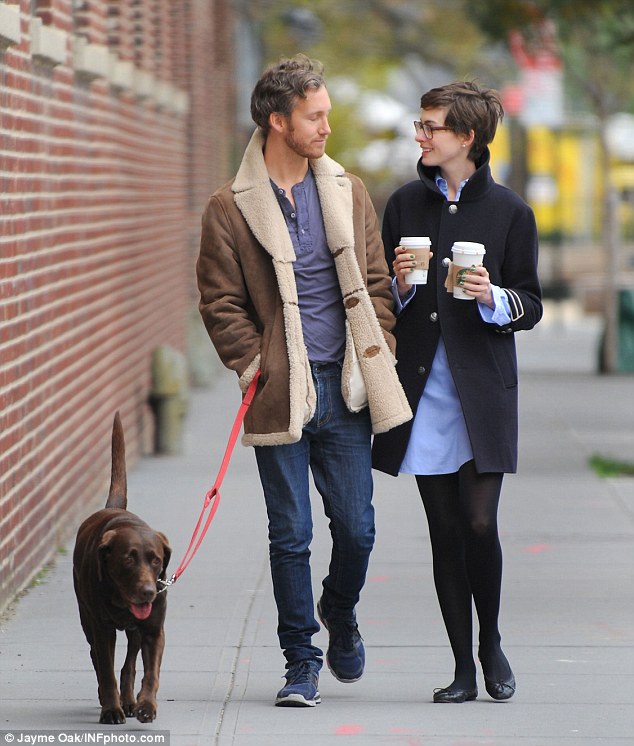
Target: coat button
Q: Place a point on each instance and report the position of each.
(421, 371)
(446, 261)
(433, 316)
(453, 209)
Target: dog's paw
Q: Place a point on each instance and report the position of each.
(129, 708)
(112, 716)
(145, 711)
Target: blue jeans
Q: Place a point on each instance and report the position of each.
(336, 446)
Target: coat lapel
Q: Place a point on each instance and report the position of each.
(255, 199)
(258, 204)
(335, 197)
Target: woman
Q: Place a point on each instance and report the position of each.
(458, 365)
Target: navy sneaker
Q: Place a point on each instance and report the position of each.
(346, 654)
(302, 679)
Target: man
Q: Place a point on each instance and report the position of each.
(293, 282)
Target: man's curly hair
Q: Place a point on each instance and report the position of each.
(281, 85)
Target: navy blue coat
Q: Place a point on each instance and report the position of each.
(482, 356)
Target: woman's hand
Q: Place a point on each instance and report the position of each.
(402, 265)
(475, 282)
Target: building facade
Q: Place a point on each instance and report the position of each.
(115, 124)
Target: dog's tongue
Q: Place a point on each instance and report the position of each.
(141, 611)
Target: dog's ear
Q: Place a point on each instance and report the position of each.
(167, 552)
(103, 550)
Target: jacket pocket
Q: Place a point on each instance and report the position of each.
(503, 351)
(353, 387)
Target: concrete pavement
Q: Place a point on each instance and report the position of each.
(567, 615)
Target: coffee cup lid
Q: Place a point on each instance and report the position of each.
(468, 247)
(415, 241)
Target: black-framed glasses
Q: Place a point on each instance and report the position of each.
(428, 129)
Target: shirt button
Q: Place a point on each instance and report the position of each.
(433, 316)
(421, 371)
(453, 209)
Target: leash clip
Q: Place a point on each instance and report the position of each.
(166, 583)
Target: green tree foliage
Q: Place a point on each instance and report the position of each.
(379, 34)
(367, 38)
(596, 43)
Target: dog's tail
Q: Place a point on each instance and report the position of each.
(118, 495)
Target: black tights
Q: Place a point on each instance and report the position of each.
(467, 558)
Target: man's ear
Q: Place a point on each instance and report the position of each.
(277, 121)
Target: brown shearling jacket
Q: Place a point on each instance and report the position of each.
(249, 304)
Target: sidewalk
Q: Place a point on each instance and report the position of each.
(567, 614)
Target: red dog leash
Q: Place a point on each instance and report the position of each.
(213, 496)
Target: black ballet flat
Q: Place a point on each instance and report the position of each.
(500, 690)
(455, 695)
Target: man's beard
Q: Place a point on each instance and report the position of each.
(302, 149)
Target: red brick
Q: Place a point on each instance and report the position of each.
(99, 215)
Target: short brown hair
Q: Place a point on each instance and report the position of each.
(281, 85)
(469, 107)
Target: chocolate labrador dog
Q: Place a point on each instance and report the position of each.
(117, 562)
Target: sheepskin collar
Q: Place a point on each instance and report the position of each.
(258, 204)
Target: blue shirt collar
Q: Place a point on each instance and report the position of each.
(442, 185)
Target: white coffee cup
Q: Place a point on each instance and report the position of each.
(418, 247)
(465, 254)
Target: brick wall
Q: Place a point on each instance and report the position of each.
(104, 171)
